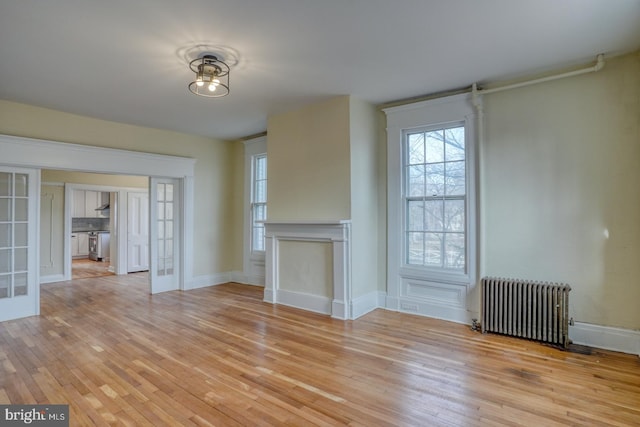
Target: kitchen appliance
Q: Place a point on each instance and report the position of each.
(99, 245)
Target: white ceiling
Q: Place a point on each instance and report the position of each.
(126, 61)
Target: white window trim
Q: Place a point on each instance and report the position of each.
(253, 261)
(432, 292)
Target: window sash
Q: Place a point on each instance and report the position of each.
(435, 198)
(258, 203)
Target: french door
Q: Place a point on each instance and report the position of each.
(19, 264)
(165, 221)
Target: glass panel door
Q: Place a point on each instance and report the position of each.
(165, 220)
(19, 192)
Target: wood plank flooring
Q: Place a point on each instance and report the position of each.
(220, 356)
(84, 268)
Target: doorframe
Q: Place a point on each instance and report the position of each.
(119, 262)
(45, 154)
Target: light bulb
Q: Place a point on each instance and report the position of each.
(216, 82)
(212, 87)
(199, 83)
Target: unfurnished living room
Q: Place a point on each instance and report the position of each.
(320, 213)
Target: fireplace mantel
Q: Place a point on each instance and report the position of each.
(335, 232)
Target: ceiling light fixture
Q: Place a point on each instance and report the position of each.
(212, 77)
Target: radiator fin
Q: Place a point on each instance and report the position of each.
(527, 309)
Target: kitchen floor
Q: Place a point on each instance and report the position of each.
(86, 268)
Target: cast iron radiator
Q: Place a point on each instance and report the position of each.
(527, 309)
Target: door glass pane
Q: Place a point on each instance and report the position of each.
(20, 259)
(168, 229)
(161, 192)
(169, 192)
(21, 209)
(5, 261)
(160, 230)
(161, 271)
(5, 235)
(21, 234)
(20, 285)
(21, 185)
(5, 282)
(5, 184)
(5, 209)
(169, 249)
(168, 210)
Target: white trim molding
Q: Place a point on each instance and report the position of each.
(605, 337)
(338, 233)
(448, 295)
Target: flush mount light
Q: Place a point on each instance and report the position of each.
(212, 77)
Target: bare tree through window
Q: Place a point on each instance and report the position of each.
(435, 197)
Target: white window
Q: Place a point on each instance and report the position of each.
(434, 193)
(255, 203)
(431, 257)
(258, 202)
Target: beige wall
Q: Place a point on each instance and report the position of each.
(364, 198)
(560, 198)
(308, 164)
(214, 214)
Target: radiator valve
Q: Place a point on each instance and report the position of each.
(475, 325)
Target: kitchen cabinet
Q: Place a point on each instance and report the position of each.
(80, 245)
(85, 203)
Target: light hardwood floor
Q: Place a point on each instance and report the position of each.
(220, 356)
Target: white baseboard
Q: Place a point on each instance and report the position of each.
(52, 278)
(315, 303)
(367, 303)
(606, 337)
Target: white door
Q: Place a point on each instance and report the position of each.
(137, 232)
(19, 264)
(164, 232)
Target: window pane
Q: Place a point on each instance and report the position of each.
(161, 210)
(259, 212)
(435, 147)
(20, 255)
(415, 184)
(415, 217)
(5, 235)
(21, 234)
(454, 214)
(433, 249)
(433, 215)
(21, 185)
(5, 209)
(415, 248)
(5, 261)
(435, 180)
(168, 209)
(20, 284)
(6, 184)
(261, 192)
(416, 148)
(168, 230)
(454, 147)
(456, 184)
(258, 238)
(261, 168)
(5, 283)
(455, 251)
(161, 191)
(22, 211)
(169, 249)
